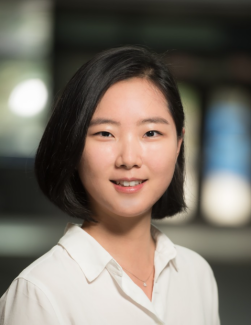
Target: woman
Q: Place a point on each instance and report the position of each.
(113, 155)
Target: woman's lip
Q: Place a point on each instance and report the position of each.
(128, 179)
(128, 189)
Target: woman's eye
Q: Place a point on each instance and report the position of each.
(105, 134)
(151, 134)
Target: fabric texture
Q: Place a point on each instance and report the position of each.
(79, 283)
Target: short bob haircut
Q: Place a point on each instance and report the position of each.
(63, 141)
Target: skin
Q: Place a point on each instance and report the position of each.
(127, 149)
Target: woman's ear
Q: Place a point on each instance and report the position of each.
(180, 140)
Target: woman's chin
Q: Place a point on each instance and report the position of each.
(132, 213)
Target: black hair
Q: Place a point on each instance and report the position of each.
(63, 141)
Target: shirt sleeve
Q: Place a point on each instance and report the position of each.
(25, 303)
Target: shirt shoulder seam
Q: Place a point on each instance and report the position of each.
(40, 289)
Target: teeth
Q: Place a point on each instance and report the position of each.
(125, 183)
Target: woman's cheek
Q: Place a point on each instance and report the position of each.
(97, 154)
(162, 160)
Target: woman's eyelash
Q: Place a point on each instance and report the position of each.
(107, 134)
(104, 134)
(151, 133)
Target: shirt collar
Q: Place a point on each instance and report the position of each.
(93, 258)
(85, 250)
(165, 250)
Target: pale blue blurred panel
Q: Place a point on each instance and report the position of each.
(226, 196)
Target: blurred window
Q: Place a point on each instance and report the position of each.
(226, 187)
(25, 76)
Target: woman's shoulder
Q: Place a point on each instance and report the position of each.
(186, 254)
(190, 261)
(30, 292)
(48, 269)
(44, 264)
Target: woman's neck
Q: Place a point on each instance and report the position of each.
(129, 242)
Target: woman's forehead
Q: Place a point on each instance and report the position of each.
(133, 97)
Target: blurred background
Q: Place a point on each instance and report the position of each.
(208, 48)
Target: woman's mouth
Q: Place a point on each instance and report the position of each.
(129, 187)
(127, 183)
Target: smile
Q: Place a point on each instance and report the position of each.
(129, 187)
(126, 183)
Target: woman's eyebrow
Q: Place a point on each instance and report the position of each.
(156, 119)
(99, 121)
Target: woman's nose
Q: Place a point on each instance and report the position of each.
(129, 154)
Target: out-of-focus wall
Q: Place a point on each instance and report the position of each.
(208, 48)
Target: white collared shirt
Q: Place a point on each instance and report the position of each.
(79, 283)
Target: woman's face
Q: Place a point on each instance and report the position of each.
(131, 141)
